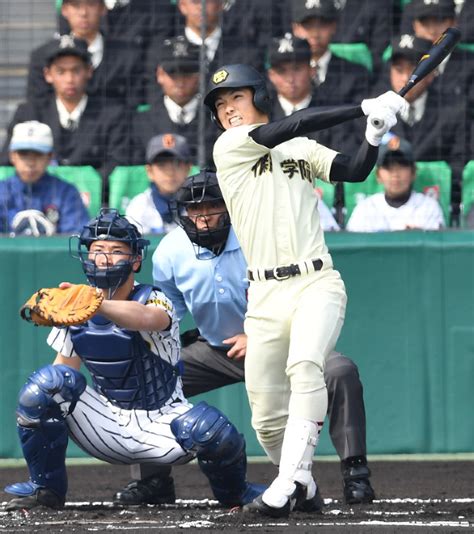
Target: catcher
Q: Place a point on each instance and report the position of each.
(135, 411)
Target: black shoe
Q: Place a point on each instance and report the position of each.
(42, 497)
(357, 488)
(257, 506)
(314, 505)
(150, 490)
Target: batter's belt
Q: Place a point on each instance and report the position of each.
(285, 272)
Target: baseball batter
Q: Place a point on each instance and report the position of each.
(296, 300)
(135, 410)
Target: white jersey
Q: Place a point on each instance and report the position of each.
(270, 198)
(117, 435)
(142, 211)
(374, 214)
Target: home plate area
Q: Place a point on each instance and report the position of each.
(421, 496)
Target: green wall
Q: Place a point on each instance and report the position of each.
(409, 327)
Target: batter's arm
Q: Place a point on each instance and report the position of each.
(345, 168)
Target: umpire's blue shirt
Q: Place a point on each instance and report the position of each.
(56, 198)
(213, 290)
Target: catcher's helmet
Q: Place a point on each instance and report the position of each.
(197, 189)
(238, 75)
(109, 225)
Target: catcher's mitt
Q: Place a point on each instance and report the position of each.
(62, 307)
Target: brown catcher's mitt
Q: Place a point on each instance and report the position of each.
(62, 307)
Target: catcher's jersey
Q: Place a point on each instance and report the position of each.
(373, 214)
(270, 197)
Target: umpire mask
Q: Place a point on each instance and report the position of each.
(203, 214)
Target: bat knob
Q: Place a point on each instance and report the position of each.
(377, 123)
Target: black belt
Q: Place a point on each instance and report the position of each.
(282, 273)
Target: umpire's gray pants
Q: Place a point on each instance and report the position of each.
(207, 368)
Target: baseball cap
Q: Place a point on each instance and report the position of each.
(32, 135)
(179, 55)
(66, 45)
(324, 9)
(168, 144)
(288, 48)
(410, 47)
(395, 149)
(433, 8)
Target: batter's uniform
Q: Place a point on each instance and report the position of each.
(292, 322)
(374, 214)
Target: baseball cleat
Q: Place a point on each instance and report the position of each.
(357, 487)
(314, 505)
(41, 497)
(258, 506)
(150, 490)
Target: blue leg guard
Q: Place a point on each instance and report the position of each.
(220, 450)
(44, 401)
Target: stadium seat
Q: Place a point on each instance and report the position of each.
(433, 179)
(467, 188)
(355, 52)
(325, 191)
(87, 180)
(125, 182)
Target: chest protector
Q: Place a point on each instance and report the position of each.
(122, 366)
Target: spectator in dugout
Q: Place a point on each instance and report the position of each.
(337, 80)
(175, 109)
(168, 164)
(117, 65)
(398, 207)
(86, 129)
(32, 201)
(436, 125)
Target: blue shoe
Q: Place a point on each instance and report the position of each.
(252, 491)
(30, 495)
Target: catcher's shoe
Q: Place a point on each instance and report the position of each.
(41, 497)
(150, 490)
(357, 487)
(258, 506)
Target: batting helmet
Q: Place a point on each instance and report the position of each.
(238, 75)
(196, 190)
(109, 225)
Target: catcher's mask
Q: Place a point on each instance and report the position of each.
(201, 190)
(109, 225)
(233, 77)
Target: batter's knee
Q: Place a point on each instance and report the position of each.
(305, 376)
(39, 398)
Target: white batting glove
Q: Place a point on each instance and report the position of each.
(390, 99)
(378, 124)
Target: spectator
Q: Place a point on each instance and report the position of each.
(86, 130)
(168, 159)
(32, 201)
(118, 67)
(398, 207)
(338, 81)
(436, 126)
(176, 108)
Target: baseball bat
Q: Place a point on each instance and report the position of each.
(441, 48)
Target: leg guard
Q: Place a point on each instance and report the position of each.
(44, 401)
(220, 450)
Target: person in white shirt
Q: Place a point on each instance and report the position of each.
(398, 207)
(168, 159)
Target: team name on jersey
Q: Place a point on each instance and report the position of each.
(290, 167)
(158, 302)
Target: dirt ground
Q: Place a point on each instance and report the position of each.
(411, 497)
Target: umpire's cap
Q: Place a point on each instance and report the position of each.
(234, 76)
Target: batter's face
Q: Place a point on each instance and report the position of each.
(318, 32)
(106, 253)
(29, 165)
(84, 17)
(180, 87)
(400, 72)
(292, 80)
(235, 107)
(396, 179)
(431, 27)
(69, 76)
(168, 174)
(206, 215)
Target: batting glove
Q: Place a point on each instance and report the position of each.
(390, 99)
(378, 124)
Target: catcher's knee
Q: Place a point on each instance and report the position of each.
(40, 398)
(207, 432)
